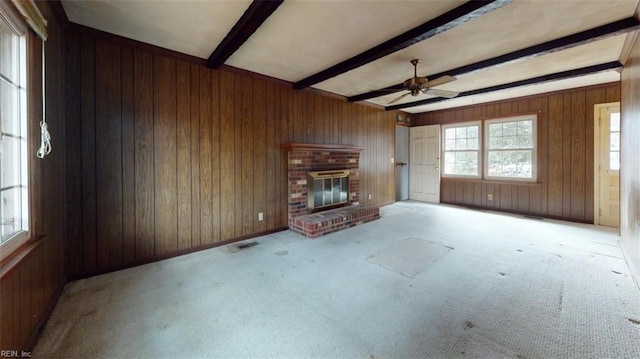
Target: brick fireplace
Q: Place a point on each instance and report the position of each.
(304, 159)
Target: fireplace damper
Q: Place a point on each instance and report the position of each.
(327, 189)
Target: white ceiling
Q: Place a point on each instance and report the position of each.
(303, 37)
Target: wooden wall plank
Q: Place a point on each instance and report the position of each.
(108, 127)
(477, 194)
(196, 206)
(128, 158)
(467, 193)
(215, 156)
(87, 91)
(555, 156)
(259, 154)
(144, 154)
(227, 152)
(578, 153)
(247, 155)
(271, 147)
(286, 99)
(7, 310)
(505, 197)
(613, 94)
(567, 166)
(73, 151)
(165, 155)
(183, 119)
(239, 110)
(206, 191)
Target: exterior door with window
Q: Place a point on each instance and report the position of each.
(424, 163)
(608, 166)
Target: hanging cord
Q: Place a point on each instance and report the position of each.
(45, 137)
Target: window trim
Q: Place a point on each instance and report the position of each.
(534, 151)
(20, 241)
(479, 150)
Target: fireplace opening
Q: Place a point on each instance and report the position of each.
(327, 189)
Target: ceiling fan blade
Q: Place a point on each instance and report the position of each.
(399, 98)
(439, 81)
(441, 93)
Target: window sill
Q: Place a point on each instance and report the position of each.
(18, 255)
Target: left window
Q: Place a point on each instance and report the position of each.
(14, 194)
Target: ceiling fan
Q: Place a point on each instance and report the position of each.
(417, 85)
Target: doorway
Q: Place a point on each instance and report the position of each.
(424, 163)
(402, 163)
(607, 164)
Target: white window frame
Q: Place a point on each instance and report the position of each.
(479, 150)
(10, 17)
(534, 149)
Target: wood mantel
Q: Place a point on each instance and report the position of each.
(320, 147)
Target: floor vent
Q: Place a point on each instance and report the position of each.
(233, 248)
(534, 217)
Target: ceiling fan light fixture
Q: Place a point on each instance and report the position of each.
(420, 84)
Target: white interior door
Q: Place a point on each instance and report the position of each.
(607, 169)
(424, 163)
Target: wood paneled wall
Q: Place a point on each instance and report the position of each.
(630, 161)
(564, 188)
(167, 156)
(31, 281)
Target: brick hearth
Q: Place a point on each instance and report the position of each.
(303, 158)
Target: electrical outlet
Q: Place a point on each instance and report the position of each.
(490, 197)
(260, 216)
(370, 196)
(392, 160)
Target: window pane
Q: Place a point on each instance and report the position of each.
(11, 212)
(614, 141)
(511, 135)
(10, 109)
(472, 131)
(614, 160)
(463, 163)
(10, 162)
(450, 133)
(495, 129)
(614, 124)
(510, 164)
(8, 58)
(450, 144)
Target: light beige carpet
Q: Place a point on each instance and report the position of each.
(410, 256)
(511, 288)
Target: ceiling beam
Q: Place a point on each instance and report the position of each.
(598, 33)
(589, 70)
(458, 16)
(249, 22)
